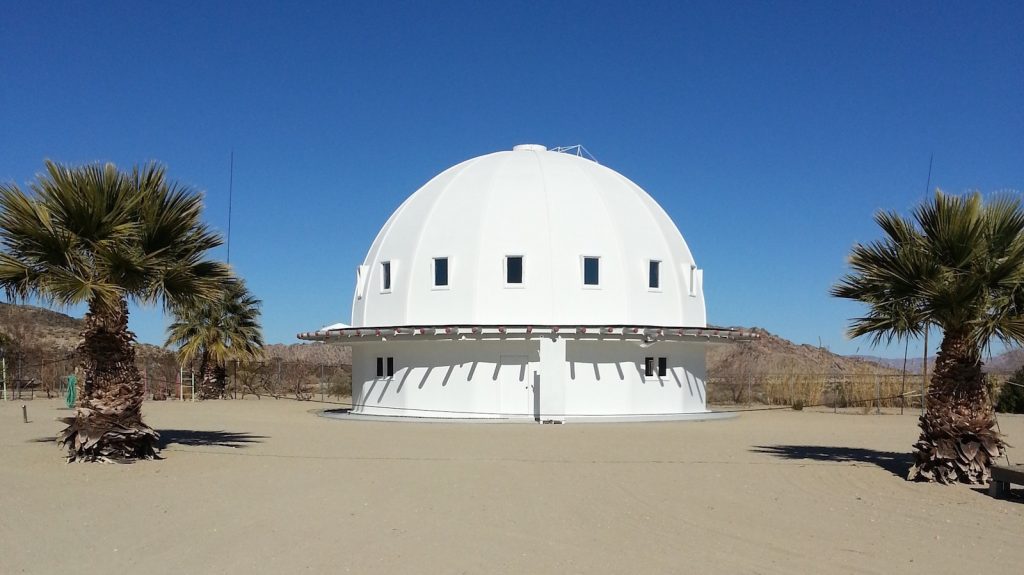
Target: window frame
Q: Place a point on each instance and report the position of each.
(447, 273)
(583, 272)
(649, 367)
(522, 271)
(385, 367)
(387, 276)
(663, 366)
(654, 266)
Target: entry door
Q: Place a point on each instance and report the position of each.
(516, 385)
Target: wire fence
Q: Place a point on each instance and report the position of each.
(26, 376)
(30, 375)
(794, 388)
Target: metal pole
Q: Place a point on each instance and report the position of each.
(321, 383)
(878, 395)
(181, 383)
(193, 376)
(3, 361)
(924, 377)
(903, 384)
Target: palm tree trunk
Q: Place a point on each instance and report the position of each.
(107, 425)
(221, 375)
(208, 388)
(958, 442)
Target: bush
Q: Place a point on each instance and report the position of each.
(1011, 397)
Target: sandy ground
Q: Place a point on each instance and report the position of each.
(269, 487)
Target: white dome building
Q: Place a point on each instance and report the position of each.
(528, 284)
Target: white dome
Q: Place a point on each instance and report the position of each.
(551, 209)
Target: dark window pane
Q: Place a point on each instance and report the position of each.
(385, 275)
(380, 367)
(662, 366)
(514, 269)
(654, 278)
(648, 366)
(391, 366)
(440, 271)
(591, 275)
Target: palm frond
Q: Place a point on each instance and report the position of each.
(958, 264)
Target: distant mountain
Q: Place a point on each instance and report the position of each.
(48, 328)
(1006, 362)
(771, 354)
(36, 330)
(913, 363)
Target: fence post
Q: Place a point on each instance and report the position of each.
(878, 395)
(321, 383)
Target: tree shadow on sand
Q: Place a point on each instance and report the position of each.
(896, 463)
(198, 438)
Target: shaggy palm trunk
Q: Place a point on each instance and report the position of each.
(211, 386)
(221, 373)
(958, 442)
(107, 425)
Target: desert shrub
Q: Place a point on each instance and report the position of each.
(340, 384)
(1011, 397)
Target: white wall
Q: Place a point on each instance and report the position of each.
(462, 379)
(467, 379)
(606, 382)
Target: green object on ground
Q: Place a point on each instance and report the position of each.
(72, 391)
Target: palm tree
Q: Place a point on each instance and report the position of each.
(103, 237)
(958, 265)
(216, 331)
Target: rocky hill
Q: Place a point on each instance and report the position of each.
(771, 354)
(37, 330)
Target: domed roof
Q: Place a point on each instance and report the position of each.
(513, 235)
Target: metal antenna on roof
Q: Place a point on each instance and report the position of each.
(576, 150)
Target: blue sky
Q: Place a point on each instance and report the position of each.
(770, 132)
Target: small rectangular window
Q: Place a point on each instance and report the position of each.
(385, 276)
(693, 280)
(591, 271)
(654, 275)
(662, 366)
(391, 366)
(380, 367)
(441, 272)
(514, 269)
(648, 366)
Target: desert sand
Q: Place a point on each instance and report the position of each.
(269, 487)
